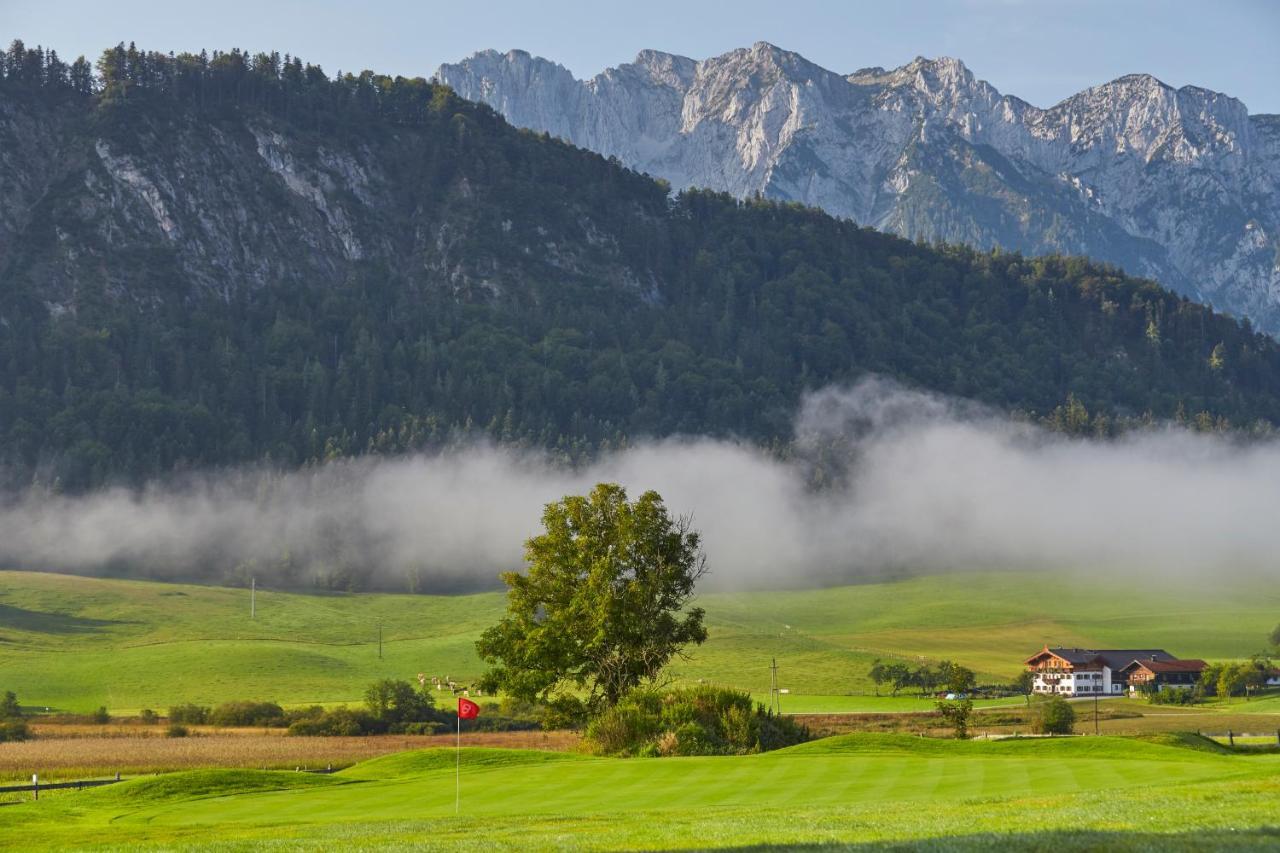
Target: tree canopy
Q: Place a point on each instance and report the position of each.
(604, 605)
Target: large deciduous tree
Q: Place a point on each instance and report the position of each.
(604, 605)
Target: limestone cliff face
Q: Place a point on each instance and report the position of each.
(1181, 185)
(153, 208)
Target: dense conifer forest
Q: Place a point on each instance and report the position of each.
(501, 284)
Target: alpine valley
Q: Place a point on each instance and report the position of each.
(1179, 185)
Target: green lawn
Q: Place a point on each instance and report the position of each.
(862, 704)
(77, 643)
(1266, 704)
(861, 788)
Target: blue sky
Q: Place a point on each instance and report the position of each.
(1040, 50)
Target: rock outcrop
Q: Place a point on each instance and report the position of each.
(1181, 185)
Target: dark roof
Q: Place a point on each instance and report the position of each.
(1120, 658)
(1159, 666)
(1113, 658)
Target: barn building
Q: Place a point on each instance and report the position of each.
(1162, 673)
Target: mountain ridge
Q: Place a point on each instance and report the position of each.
(234, 259)
(1178, 184)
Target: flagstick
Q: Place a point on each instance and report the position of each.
(457, 788)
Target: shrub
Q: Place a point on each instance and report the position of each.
(14, 730)
(194, 715)
(177, 730)
(9, 706)
(149, 717)
(1055, 717)
(514, 708)
(310, 712)
(242, 713)
(339, 722)
(1174, 696)
(692, 739)
(623, 729)
(422, 728)
(957, 714)
(497, 723)
(690, 721)
(101, 716)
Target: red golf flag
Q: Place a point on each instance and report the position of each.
(467, 710)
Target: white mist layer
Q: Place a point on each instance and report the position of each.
(913, 482)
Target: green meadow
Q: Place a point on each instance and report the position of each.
(76, 643)
(867, 791)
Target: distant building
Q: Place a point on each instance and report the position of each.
(1159, 674)
(1108, 672)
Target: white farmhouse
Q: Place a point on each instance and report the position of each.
(1106, 672)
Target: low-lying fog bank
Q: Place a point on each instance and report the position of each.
(909, 481)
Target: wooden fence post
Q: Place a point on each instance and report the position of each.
(35, 784)
(1231, 738)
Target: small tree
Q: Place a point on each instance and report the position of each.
(926, 679)
(1208, 682)
(1055, 717)
(603, 607)
(395, 701)
(1232, 679)
(957, 715)
(1255, 673)
(960, 680)
(1275, 637)
(878, 674)
(9, 708)
(101, 716)
(1024, 684)
(898, 676)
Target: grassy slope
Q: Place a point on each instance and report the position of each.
(77, 643)
(863, 787)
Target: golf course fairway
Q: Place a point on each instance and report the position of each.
(857, 789)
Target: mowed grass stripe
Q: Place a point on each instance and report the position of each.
(607, 786)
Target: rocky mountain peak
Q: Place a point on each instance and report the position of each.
(1181, 185)
(931, 74)
(1141, 116)
(763, 63)
(665, 69)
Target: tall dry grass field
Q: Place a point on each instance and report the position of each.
(84, 755)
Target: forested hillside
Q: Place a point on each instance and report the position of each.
(211, 260)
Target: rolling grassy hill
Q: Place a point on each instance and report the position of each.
(1098, 793)
(76, 643)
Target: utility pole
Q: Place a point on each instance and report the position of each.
(253, 598)
(1095, 713)
(775, 700)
